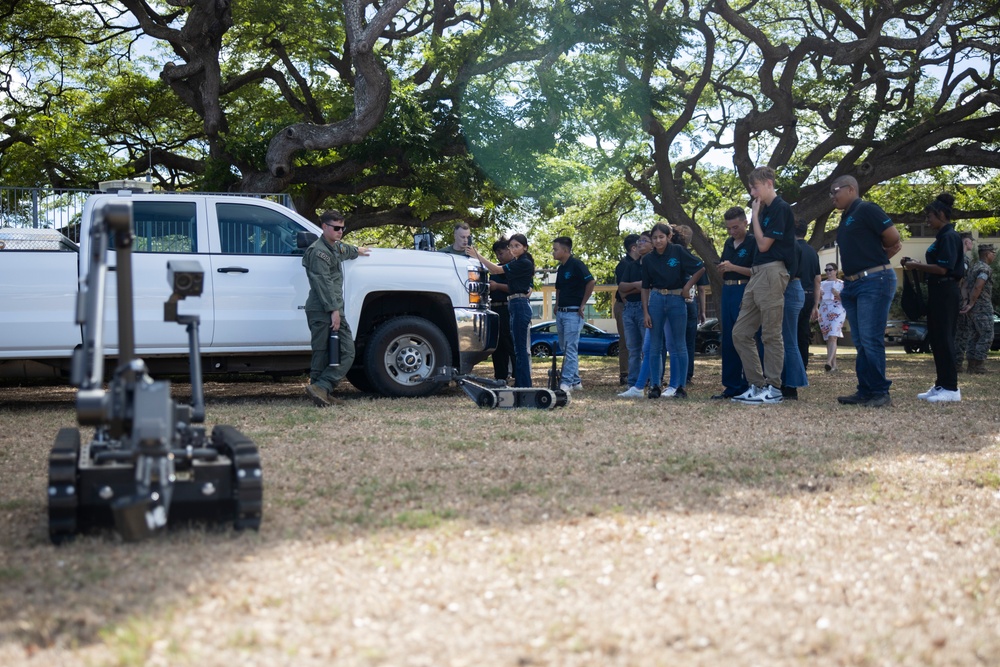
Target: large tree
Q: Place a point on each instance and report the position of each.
(821, 88)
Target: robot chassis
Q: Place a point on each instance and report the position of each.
(488, 393)
(148, 463)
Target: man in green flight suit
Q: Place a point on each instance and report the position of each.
(325, 306)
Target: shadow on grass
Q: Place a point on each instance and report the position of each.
(378, 465)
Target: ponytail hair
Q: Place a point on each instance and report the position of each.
(942, 205)
(523, 240)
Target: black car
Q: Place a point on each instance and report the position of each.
(915, 336)
(708, 340)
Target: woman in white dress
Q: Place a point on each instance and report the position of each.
(831, 314)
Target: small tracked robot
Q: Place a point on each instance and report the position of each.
(149, 463)
(496, 394)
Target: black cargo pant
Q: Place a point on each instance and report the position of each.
(942, 318)
(503, 356)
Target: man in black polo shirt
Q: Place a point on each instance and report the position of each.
(574, 285)
(867, 239)
(737, 257)
(763, 305)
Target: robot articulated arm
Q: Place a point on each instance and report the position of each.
(146, 446)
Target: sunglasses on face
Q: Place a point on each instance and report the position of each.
(336, 228)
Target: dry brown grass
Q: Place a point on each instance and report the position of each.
(429, 532)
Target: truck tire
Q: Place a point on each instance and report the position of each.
(402, 353)
(358, 377)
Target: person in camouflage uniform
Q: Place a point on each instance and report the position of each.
(979, 309)
(325, 306)
(963, 327)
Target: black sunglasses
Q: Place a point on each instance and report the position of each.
(338, 228)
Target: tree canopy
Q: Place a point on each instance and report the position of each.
(423, 112)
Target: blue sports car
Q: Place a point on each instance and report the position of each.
(593, 341)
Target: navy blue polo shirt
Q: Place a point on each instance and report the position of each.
(946, 252)
(669, 270)
(631, 272)
(571, 283)
(498, 297)
(742, 256)
(808, 265)
(860, 236)
(520, 275)
(778, 223)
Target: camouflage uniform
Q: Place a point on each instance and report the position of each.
(981, 315)
(322, 261)
(963, 325)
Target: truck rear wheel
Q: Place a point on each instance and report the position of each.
(402, 353)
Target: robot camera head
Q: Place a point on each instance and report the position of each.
(185, 277)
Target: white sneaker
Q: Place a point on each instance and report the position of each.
(565, 387)
(668, 392)
(631, 392)
(577, 387)
(765, 395)
(748, 394)
(930, 392)
(945, 396)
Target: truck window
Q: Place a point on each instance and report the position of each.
(165, 226)
(245, 229)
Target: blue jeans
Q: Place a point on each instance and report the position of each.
(569, 325)
(793, 372)
(732, 367)
(691, 332)
(867, 301)
(634, 333)
(668, 313)
(520, 322)
(643, 378)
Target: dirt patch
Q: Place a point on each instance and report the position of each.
(611, 532)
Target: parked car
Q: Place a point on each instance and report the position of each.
(593, 341)
(915, 336)
(894, 332)
(708, 340)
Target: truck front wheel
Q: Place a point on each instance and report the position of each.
(402, 353)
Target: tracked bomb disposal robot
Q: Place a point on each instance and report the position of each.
(150, 461)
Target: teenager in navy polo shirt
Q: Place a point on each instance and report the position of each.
(668, 274)
(944, 267)
(574, 285)
(763, 306)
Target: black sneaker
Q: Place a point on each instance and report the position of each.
(857, 398)
(879, 401)
(790, 393)
(721, 397)
(680, 393)
(654, 392)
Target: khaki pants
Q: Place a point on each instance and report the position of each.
(763, 307)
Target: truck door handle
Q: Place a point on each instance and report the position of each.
(233, 269)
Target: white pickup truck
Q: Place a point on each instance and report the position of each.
(412, 311)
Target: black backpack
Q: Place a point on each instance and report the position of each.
(912, 301)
